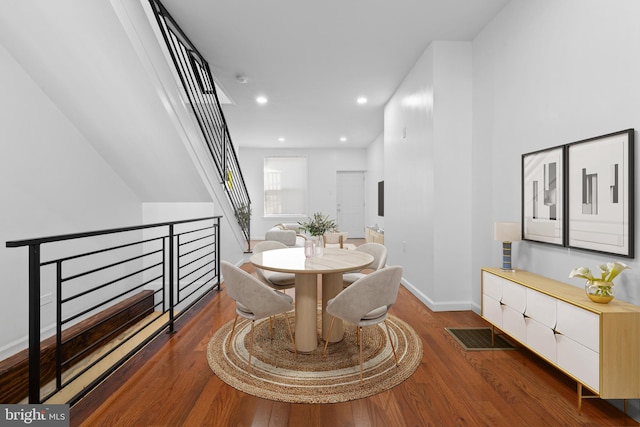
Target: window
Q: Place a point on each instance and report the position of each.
(285, 186)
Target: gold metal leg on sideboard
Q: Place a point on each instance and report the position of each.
(579, 398)
(582, 396)
(493, 335)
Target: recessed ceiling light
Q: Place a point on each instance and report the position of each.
(261, 100)
(362, 100)
(281, 139)
(343, 139)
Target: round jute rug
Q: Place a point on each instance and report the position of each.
(279, 374)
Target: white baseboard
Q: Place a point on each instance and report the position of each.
(440, 305)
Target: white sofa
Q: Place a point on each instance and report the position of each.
(288, 233)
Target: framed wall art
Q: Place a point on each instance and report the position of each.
(543, 196)
(600, 208)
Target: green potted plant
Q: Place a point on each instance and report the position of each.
(318, 225)
(243, 216)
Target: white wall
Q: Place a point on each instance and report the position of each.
(427, 169)
(548, 73)
(51, 182)
(322, 167)
(375, 174)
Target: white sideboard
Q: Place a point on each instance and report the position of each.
(598, 345)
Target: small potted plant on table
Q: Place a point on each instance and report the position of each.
(318, 225)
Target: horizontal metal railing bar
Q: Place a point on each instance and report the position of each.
(106, 337)
(108, 372)
(111, 282)
(188, 285)
(122, 310)
(202, 228)
(182, 255)
(197, 259)
(113, 248)
(209, 227)
(141, 285)
(82, 313)
(195, 290)
(197, 239)
(105, 267)
(189, 273)
(62, 237)
(114, 348)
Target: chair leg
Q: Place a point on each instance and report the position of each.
(271, 327)
(293, 342)
(250, 349)
(360, 339)
(326, 343)
(395, 356)
(232, 330)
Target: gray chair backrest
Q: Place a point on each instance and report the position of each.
(377, 251)
(242, 287)
(376, 289)
(268, 245)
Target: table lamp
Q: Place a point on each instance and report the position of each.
(506, 232)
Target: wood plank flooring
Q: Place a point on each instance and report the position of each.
(169, 383)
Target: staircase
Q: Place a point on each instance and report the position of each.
(182, 80)
(200, 91)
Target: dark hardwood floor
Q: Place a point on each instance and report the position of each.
(169, 383)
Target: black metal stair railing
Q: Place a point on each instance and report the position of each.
(88, 274)
(199, 86)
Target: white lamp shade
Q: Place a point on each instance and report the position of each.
(506, 231)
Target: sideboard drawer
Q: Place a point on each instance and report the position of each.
(492, 286)
(514, 295)
(491, 310)
(580, 361)
(541, 339)
(580, 325)
(513, 323)
(541, 307)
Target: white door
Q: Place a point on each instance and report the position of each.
(350, 198)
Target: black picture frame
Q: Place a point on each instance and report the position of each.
(380, 198)
(600, 207)
(544, 196)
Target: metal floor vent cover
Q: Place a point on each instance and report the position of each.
(479, 339)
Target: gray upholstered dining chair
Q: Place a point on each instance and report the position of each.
(254, 300)
(366, 303)
(275, 279)
(379, 254)
(335, 238)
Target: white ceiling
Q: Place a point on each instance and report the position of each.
(313, 59)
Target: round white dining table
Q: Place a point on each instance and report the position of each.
(330, 266)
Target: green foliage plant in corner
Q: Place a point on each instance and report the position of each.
(318, 225)
(243, 215)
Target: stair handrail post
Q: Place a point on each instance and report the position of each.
(171, 283)
(217, 228)
(34, 323)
